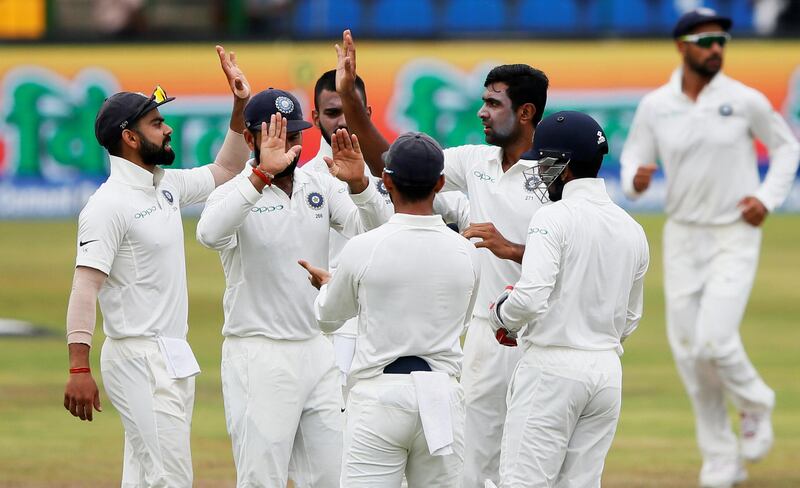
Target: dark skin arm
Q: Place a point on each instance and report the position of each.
(494, 241)
(373, 144)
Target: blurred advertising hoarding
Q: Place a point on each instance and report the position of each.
(50, 161)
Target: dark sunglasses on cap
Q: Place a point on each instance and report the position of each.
(707, 39)
(159, 96)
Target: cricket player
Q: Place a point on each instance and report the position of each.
(580, 296)
(131, 258)
(280, 384)
(502, 202)
(701, 126)
(328, 117)
(413, 283)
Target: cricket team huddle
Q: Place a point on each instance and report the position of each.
(351, 280)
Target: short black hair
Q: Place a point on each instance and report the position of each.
(413, 193)
(115, 148)
(525, 85)
(328, 82)
(586, 169)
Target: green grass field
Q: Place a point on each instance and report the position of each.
(41, 445)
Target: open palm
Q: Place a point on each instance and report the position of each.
(347, 163)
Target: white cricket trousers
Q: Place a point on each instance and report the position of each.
(283, 402)
(156, 412)
(563, 407)
(384, 437)
(488, 368)
(708, 275)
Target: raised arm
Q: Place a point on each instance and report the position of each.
(373, 143)
(234, 151)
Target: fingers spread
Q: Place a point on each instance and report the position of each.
(354, 142)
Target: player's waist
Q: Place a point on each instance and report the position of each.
(573, 357)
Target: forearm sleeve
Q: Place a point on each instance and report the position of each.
(81, 309)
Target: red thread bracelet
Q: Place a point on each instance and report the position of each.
(263, 176)
(79, 370)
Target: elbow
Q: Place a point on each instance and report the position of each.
(208, 238)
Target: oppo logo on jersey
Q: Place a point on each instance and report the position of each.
(144, 213)
(272, 208)
(483, 176)
(537, 230)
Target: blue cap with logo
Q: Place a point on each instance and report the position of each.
(414, 159)
(699, 16)
(272, 101)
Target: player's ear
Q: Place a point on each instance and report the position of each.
(315, 119)
(387, 181)
(249, 139)
(439, 185)
(369, 111)
(130, 139)
(526, 112)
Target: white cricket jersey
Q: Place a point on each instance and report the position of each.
(504, 199)
(582, 274)
(413, 284)
(261, 236)
(131, 230)
(706, 148)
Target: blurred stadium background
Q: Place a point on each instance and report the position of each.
(424, 62)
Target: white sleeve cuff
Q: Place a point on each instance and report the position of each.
(366, 195)
(248, 191)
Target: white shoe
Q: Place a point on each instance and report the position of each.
(756, 436)
(722, 472)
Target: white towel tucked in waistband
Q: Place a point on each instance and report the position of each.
(179, 357)
(433, 398)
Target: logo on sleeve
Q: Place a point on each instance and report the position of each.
(83, 243)
(168, 196)
(315, 200)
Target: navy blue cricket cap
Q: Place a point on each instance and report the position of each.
(569, 134)
(121, 110)
(414, 159)
(699, 16)
(272, 101)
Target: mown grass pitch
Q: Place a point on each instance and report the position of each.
(41, 445)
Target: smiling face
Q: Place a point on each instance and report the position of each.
(705, 61)
(501, 124)
(153, 137)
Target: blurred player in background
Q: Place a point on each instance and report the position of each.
(280, 383)
(502, 202)
(580, 295)
(701, 126)
(414, 282)
(131, 257)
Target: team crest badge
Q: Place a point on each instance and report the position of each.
(382, 188)
(168, 196)
(284, 104)
(725, 110)
(532, 181)
(315, 200)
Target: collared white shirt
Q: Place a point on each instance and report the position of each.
(706, 148)
(413, 284)
(131, 230)
(504, 199)
(582, 274)
(261, 236)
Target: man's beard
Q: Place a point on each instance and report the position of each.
(702, 69)
(326, 135)
(556, 189)
(289, 170)
(503, 138)
(155, 154)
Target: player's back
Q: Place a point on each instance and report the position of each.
(416, 288)
(603, 251)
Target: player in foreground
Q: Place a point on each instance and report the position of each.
(701, 126)
(502, 202)
(131, 258)
(580, 296)
(414, 283)
(280, 383)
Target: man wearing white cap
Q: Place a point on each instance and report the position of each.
(413, 283)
